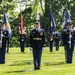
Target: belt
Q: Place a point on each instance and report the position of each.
(37, 38)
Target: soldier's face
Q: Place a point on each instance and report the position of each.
(37, 25)
(69, 27)
(4, 27)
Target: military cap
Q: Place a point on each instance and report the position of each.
(69, 23)
(37, 22)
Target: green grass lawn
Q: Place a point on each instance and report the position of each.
(18, 63)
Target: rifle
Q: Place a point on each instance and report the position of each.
(70, 36)
(51, 36)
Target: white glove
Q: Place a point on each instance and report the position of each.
(42, 48)
(30, 48)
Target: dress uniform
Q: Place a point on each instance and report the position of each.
(3, 51)
(22, 41)
(37, 42)
(68, 37)
(0, 40)
(57, 39)
(0, 50)
(51, 41)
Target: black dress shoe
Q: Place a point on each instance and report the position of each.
(69, 62)
(38, 68)
(2, 62)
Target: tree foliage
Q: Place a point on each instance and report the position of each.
(31, 7)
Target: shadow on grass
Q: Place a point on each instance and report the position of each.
(19, 71)
(53, 63)
(17, 53)
(21, 63)
(51, 53)
(62, 53)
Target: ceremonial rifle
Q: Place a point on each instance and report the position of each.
(51, 37)
(70, 36)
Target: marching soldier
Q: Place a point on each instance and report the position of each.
(22, 41)
(4, 39)
(51, 41)
(68, 37)
(22, 33)
(57, 39)
(37, 43)
(0, 40)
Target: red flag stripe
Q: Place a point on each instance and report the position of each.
(21, 24)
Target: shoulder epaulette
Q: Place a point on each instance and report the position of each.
(65, 30)
(42, 29)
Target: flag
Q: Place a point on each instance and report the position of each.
(21, 24)
(6, 22)
(52, 24)
(67, 17)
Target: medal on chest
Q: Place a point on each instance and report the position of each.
(41, 33)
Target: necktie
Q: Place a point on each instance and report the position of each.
(36, 29)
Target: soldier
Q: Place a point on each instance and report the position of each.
(37, 43)
(22, 41)
(68, 37)
(0, 40)
(51, 41)
(57, 39)
(4, 39)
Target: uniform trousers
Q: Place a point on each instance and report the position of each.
(22, 46)
(3, 50)
(37, 58)
(51, 46)
(57, 45)
(69, 54)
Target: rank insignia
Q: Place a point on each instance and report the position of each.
(41, 33)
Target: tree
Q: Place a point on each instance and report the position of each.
(29, 12)
(58, 7)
